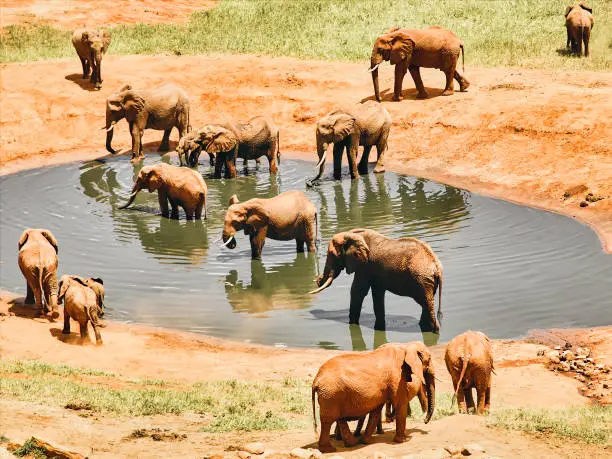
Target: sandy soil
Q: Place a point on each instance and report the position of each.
(521, 135)
(82, 13)
(143, 352)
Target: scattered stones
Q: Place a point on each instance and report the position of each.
(453, 450)
(564, 366)
(157, 434)
(244, 455)
(254, 448)
(472, 448)
(541, 353)
(553, 356)
(584, 204)
(591, 197)
(568, 355)
(303, 453)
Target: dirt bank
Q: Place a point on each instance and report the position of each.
(142, 352)
(520, 135)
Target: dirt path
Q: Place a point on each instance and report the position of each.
(521, 135)
(79, 13)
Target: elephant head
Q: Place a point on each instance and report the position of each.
(94, 283)
(395, 46)
(98, 42)
(123, 104)
(346, 250)
(45, 233)
(334, 127)
(242, 216)
(211, 138)
(430, 380)
(150, 178)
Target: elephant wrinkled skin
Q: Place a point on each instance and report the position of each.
(579, 22)
(290, 215)
(180, 186)
(161, 108)
(405, 266)
(352, 385)
(469, 360)
(38, 263)
(83, 302)
(90, 46)
(409, 50)
(366, 125)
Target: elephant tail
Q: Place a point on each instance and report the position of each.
(278, 153)
(93, 316)
(465, 360)
(438, 280)
(462, 58)
(314, 411)
(42, 291)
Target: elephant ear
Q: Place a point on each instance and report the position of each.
(222, 141)
(256, 218)
(49, 237)
(233, 200)
(401, 47)
(85, 37)
(132, 103)
(24, 238)
(153, 179)
(106, 40)
(80, 280)
(63, 285)
(586, 8)
(343, 126)
(356, 251)
(97, 286)
(568, 10)
(407, 371)
(424, 357)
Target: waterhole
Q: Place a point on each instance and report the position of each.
(507, 268)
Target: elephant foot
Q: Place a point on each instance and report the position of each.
(398, 98)
(379, 169)
(355, 176)
(327, 449)
(350, 442)
(399, 438)
(448, 92)
(164, 147)
(422, 95)
(463, 86)
(363, 170)
(66, 331)
(29, 301)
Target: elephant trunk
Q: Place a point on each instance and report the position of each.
(98, 60)
(135, 190)
(374, 63)
(430, 389)
(110, 127)
(321, 151)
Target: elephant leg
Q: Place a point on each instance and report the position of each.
(230, 167)
(97, 334)
(415, 72)
(389, 413)
(359, 426)
(586, 38)
(373, 421)
(174, 213)
(337, 433)
(211, 159)
(400, 72)
(347, 436)
(351, 153)
(381, 149)
(219, 163)
(136, 140)
(401, 413)
(189, 212)
(487, 405)
(311, 236)
(198, 209)
(359, 290)
(462, 80)
(85, 68)
(84, 331)
(569, 37)
(469, 399)
(378, 297)
(428, 321)
(50, 293)
(66, 330)
(29, 299)
(338, 149)
(481, 394)
(449, 90)
(365, 158)
(299, 246)
(38, 296)
(258, 239)
(325, 445)
(165, 143)
(271, 155)
(162, 198)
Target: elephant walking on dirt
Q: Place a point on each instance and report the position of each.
(409, 50)
(38, 263)
(162, 108)
(90, 46)
(406, 267)
(178, 185)
(290, 215)
(351, 386)
(469, 360)
(83, 302)
(365, 125)
(579, 23)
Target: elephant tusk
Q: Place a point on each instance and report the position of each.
(373, 68)
(226, 243)
(321, 161)
(322, 287)
(110, 128)
(218, 239)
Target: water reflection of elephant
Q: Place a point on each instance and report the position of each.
(165, 239)
(283, 286)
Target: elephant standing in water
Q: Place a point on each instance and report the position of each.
(406, 267)
(38, 263)
(90, 46)
(214, 139)
(161, 108)
(579, 22)
(366, 125)
(409, 50)
(182, 187)
(83, 302)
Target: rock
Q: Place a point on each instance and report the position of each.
(568, 356)
(564, 366)
(379, 455)
(557, 348)
(606, 386)
(472, 448)
(600, 366)
(584, 204)
(591, 197)
(244, 455)
(580, 378)
(574, 190)
(553, 356)
(541, 352)
(305, 453)
(580, 364)
(453, 450)
(254, 448)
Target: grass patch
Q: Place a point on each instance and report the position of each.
(30, 449)
(588, 424)
(38, 368)
(526, 33)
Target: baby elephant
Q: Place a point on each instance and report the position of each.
(91, 45)
(469, 360)
(181, 186)
(290, 215)
(83, 302)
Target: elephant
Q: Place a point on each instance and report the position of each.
(182, 187)
(38, 263)
(405, 266)
(409, 50)
(90, 46)
(366, 125)
(83, 302)
(469, 360)
(161, 108)
(258, 137)
(215, 139)
(350, 386)
(290, 215)
(579, 22)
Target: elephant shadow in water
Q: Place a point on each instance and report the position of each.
(84, 83)
(283, 286)
(394, 323)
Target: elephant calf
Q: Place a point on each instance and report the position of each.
(182, 187)
(290, 215)
(83, 302)
(406, 267)
(579, 22)
(469, 360)
(90, 46)
(38, 263)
